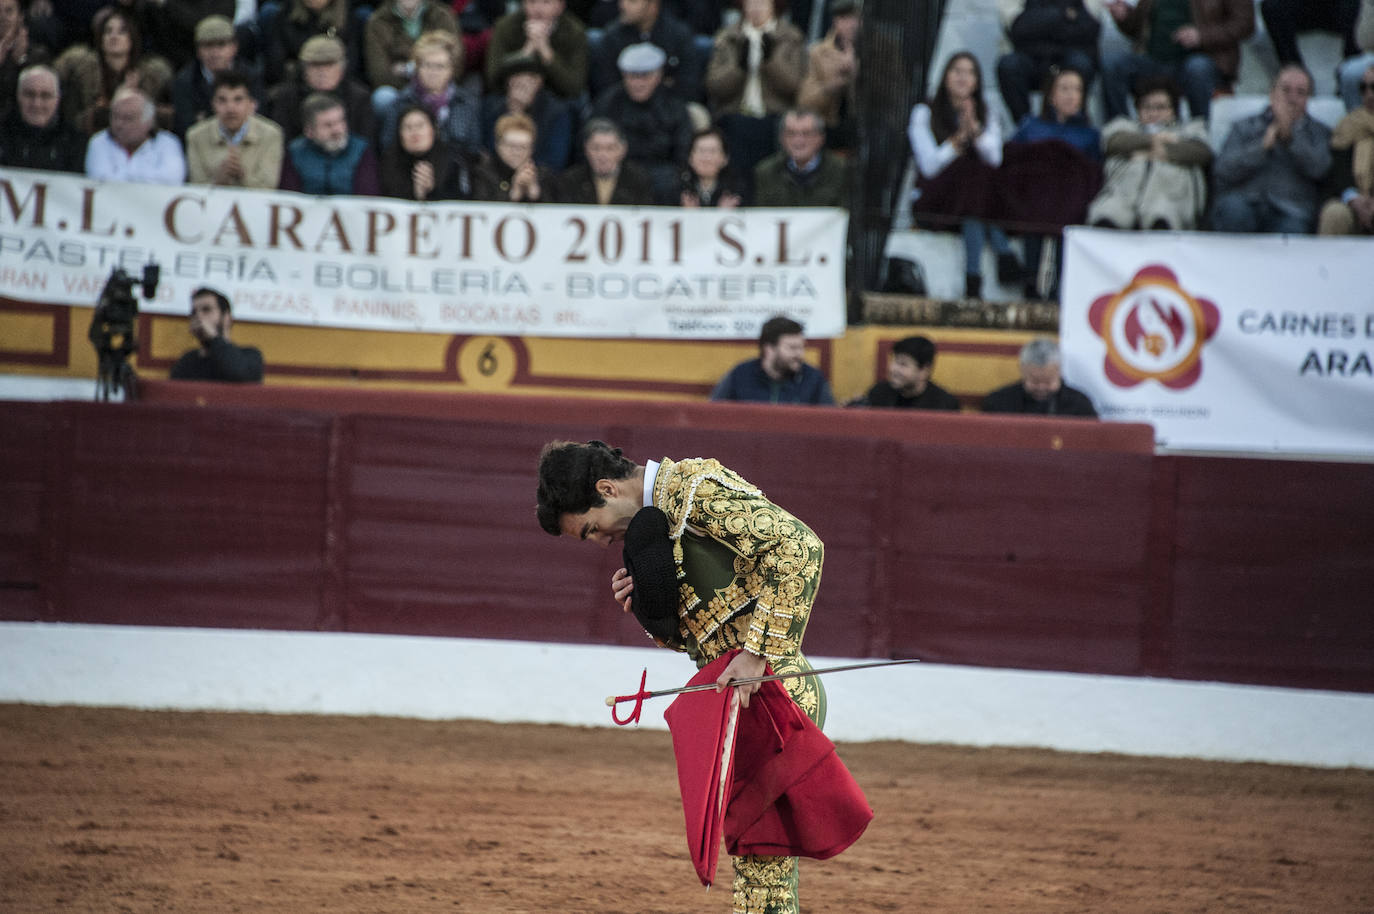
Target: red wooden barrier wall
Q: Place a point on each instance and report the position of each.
(1035, 544)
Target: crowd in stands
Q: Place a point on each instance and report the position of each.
(687, 103)
(636, 102)
(1151, 165)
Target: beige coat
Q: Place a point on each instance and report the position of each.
(830, 77)
(781, 73)
(260, 152)
(1140, 191)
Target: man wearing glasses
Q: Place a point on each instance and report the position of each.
(804, 173)
(33, 135)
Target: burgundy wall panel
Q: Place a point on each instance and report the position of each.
(1071, 552)
(23, 447)
(196, 519)
(1021, 559)
(1274, 572)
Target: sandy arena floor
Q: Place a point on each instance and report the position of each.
(122, 811)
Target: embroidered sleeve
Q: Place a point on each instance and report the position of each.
(778, 558)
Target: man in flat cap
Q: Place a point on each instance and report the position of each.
(323, 68)
(646, 21)
(217, 49)
(742, 574)
(658, 129)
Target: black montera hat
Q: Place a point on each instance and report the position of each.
(649, 560)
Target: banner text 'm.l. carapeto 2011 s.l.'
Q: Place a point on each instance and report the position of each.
(381, 264)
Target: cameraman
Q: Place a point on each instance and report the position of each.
(216, 359)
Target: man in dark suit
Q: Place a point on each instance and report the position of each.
(605, 178)
(1041, 390)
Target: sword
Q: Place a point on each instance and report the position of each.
(639, 697)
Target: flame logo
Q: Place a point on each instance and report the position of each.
(1154, 330)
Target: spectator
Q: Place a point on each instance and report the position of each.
(779, 374)
(1046, 34)
(520, 90)
(169, 28)
(605, 177)
(804, 173)
(16, 51)
(1041, 389)
(238, 147)
(831, 77)
(326, 159)
(323, 68)
(645, 21)
(1051, 170)
(91, 76)
(215, 359)
(539, 29)
(1197, 42)
(1351, 212)
(391, 32)
(33, 134)
(657, 127)
(703, 17)
(756, 67)
(217, 49)
(421, 165)
(297, 23)
(1156, 165)
(132, 148)
(908, 384)
(437, 59)
(1350, 71)
(475, 18)
(1284, 19)
(512, 175)
(708, 180)
(958, 147)
(1270, 170)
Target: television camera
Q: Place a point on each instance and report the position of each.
(112, 330)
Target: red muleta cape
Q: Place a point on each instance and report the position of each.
(764, 777)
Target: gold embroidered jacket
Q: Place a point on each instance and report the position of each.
(733, 548)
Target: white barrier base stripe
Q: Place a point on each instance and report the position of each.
(515, 681)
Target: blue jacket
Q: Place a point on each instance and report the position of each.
(321, 173)
(747, 381)
(1076, 131)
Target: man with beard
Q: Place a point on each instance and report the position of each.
(216, 359)
(326, 159)
(778, 375)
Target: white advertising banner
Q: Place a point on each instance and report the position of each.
(382, 264)
(1225, 342)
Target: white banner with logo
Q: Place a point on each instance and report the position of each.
(1225, 342)
(382, 264)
